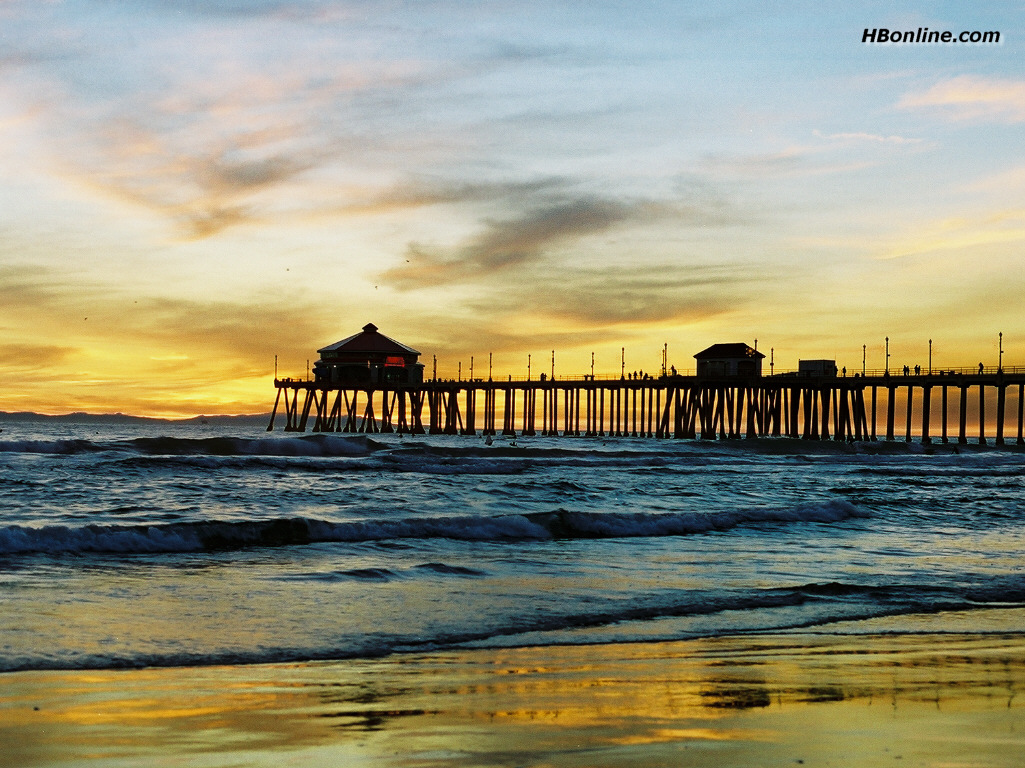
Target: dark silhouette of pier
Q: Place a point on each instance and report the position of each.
(945, 406)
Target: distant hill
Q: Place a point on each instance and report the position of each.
(122, 418)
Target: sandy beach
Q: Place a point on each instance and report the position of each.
(941, 699)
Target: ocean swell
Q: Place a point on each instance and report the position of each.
(227, 535)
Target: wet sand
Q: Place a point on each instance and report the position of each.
(947, 700)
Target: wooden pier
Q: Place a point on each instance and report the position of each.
(944, 407)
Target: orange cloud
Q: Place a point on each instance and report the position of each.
(79, 346)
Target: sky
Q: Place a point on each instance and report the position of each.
(193, 189)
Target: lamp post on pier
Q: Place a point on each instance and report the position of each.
(528, 366)
(930, 357)
(553, 365)
(864, 353)
(1000, 362)
(887, 356)
(489, 365)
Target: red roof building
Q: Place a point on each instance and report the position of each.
(368, 357)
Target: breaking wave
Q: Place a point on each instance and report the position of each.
(306, 445)
(218, 535)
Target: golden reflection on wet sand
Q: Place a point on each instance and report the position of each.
(921, 700)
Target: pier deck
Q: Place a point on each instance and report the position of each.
(946, 406)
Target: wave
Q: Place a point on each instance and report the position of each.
(563, 524)
(383, 574)
(312, 453)
(54, 447)
(756, 611)
(325, 463)
(450, 570)
(560, 523)
(306, 445)
(440, 455)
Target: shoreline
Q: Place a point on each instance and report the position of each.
(932, 698)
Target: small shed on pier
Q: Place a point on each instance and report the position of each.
(368, 357)
(731, 360)
(816, 368)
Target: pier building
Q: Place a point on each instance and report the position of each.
(368, 358)
(729, 360)
(816, 368)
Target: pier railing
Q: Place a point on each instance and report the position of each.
(945, 405)
(870, 373)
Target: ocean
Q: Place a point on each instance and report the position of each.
(154, 544)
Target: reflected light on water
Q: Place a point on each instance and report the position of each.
(745, 699)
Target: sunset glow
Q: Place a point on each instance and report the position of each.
(190, 190)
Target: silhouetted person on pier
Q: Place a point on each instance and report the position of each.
(980, 369)
(845, 371)
(907, 371)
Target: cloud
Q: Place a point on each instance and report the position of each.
(290, 111)
(616, 296)
(555, 218)
(962, 234)
(230, 8)
(247, 332)
(29, 288)
(513, 242)
(785, 163)
(22, 356)
(833, 153)
(419, 192)
(973, 98)
(528, 289)
(574, 308)
(207, 127)
(866, 137)
(203, 180)
(243, 333)
(1010, 181)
